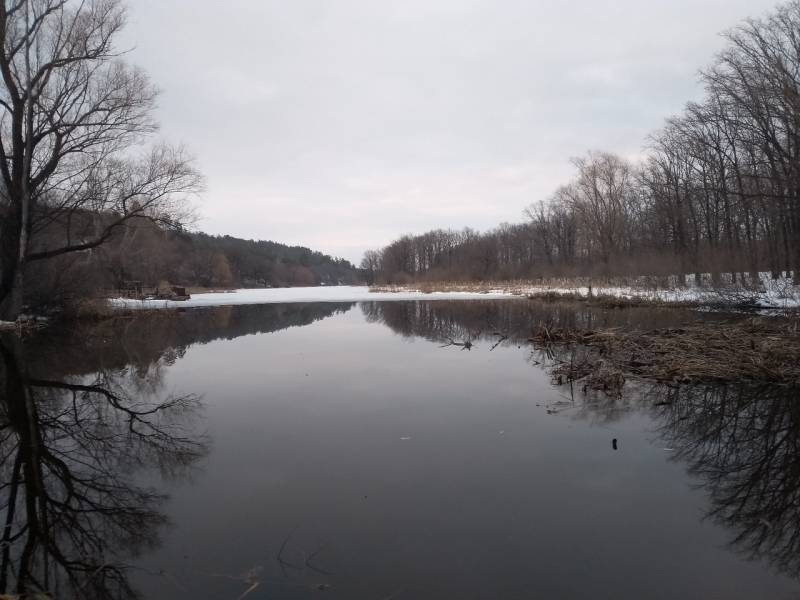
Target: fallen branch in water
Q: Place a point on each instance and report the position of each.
(465, 345)
(501, 337)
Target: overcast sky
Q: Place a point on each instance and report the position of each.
(342, 124)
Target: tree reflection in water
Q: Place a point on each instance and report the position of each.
(742, 443)
(73, 447)
(83, 419)
(71, 450)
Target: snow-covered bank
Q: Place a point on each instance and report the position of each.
(690, 296)
(767, 294)
(304, 294)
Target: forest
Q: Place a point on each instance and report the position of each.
(144, 256)
(717, 189)
(92, 201)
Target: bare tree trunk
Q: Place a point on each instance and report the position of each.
(14, 302)
(794, 261)
(17, 296)
(8, 267)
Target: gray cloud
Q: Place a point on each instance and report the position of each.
(340, 124)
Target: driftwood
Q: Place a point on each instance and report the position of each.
(465, 345)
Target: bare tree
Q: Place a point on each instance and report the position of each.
(719, 190)
(75, 120)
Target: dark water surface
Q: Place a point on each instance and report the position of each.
(359, 452)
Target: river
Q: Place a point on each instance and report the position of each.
(376, 450)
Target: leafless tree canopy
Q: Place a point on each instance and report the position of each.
(718, 191)
(75, 123)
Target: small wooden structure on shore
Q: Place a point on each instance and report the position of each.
(135, 289)
(179, 293)
(131, 289)
(175, 292)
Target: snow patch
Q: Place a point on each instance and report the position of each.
(303, 294)
(769, 293)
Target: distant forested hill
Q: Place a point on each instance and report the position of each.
(147, 255)
(262, 263)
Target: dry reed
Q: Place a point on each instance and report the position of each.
(757, 349)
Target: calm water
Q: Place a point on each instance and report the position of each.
(357, 451)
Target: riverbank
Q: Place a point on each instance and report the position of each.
(646, 339)
(766, 293)
(738, 350)
(342, 293)
(332, 381)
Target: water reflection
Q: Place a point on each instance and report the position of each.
(741, 443)
(512, 320)
(84, 420)
(70, 451)
(149, 339)
(88, 433)
(743, 446)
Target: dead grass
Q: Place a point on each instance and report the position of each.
(758, 349)
(609, 301)
(89, 308)
(638, 291)
(428, 287)
(522, 285)
(522, 288)
(206, 290)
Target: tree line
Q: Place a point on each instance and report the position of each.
(79, 161)
(144, 256)
(90, 198)
(718, 189)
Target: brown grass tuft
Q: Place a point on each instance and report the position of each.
(758, 349)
